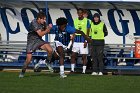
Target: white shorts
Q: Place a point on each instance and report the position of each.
(79, 48)
(57, 44)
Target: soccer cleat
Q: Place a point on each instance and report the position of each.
(36, 66)
(100, 73)
(72, 71)
(63, 76)
(21, 75)
(83, 72)
(94, 73)
(49, 67)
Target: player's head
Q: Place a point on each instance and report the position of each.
(96, 18)
(61, 23)
(85, 13)
(80, 12)
(41, 17)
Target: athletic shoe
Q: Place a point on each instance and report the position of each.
(37, 65)
(122, 64)
(63, 76)
(100, 73)
(94, 73)
(21, 75)
(49, 67)
(137, 64)
(83, 72)
(72, 71)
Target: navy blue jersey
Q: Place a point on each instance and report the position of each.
(64, 36)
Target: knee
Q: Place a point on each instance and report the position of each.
(84, 56)
(50, 51)
(73, 57)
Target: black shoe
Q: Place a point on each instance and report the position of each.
(72, 71)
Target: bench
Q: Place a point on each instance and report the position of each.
(118, 57)
(13, 54)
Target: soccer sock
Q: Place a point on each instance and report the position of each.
(61, 69)
(84, 69)
(50, 58)
(24, 68)
(72, 67)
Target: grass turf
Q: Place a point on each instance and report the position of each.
(74, 83)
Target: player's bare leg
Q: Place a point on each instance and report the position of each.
(61, 61)
(25, 65)
(49, 50)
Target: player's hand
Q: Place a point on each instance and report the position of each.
(49, 28)
(85, 44)
(72, 36)
(50, 25)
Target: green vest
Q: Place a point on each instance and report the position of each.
(81, 25)
(97, 31)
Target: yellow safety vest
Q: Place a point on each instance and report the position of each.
(97, 31)
(81, 25)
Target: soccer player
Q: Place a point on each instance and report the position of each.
(86, 15)
(37, 29)
(62, 38)
(64, 35)
(80, 43)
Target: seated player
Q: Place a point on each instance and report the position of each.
(64, 35)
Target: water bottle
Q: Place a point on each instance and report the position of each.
(131, 52)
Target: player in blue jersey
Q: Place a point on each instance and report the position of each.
(80, 43)
(64, 35)
(62, 38)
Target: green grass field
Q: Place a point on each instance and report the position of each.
(74, 83)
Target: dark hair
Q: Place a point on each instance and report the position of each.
(86, 11)
(96, 15)
(61, 21)
(41, 15)
(80, 9)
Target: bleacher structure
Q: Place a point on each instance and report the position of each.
(116, 56)
(120, 57)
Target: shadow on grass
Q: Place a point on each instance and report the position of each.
(41, 74)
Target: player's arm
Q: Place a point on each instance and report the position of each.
(88, 29)
(71, 41)
(82, 33)
(72, 30)
(105, 30)
(88, 26)
(44, 31)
